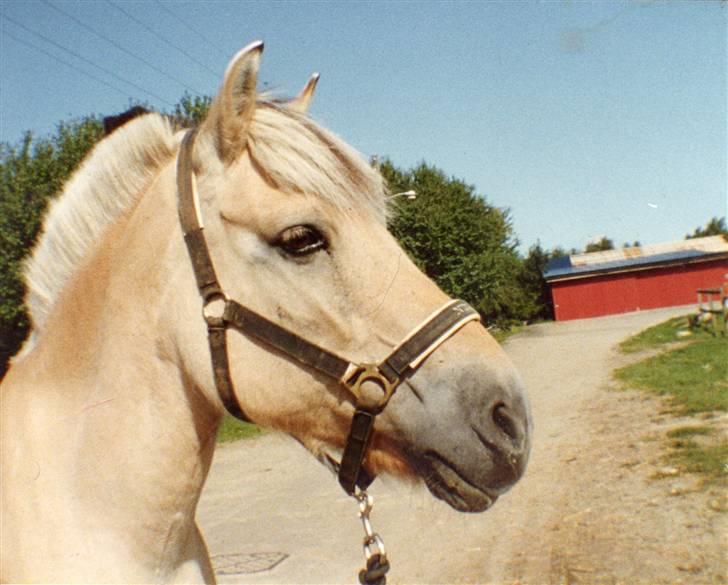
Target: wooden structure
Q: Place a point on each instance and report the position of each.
(713, 308)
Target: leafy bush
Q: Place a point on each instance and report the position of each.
(716, 226)
(460, 241)
(30, 174)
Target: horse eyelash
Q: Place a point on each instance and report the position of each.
(290, 235)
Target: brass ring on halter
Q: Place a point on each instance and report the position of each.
(370, 373)
(213, 309)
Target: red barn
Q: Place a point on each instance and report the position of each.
(635, 279)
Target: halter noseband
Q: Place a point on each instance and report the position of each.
(221, 312)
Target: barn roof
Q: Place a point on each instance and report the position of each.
(636, 258)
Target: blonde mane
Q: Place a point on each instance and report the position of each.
(293, 153)
(106, 185)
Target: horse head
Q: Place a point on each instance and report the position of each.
(295, 223)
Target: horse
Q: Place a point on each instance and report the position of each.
(109, 414)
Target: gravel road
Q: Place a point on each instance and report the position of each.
(587, 511)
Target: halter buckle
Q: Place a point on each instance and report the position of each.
(370, 373)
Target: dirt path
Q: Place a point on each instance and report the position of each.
(587, 511)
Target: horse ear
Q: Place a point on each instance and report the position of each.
(303, 100)
(234, 106)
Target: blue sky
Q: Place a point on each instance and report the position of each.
(583, 118)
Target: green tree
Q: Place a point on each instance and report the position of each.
(191, 110)
(532, 280)
(30, 174)
(460, 241)
(715, 227)
(603, 244)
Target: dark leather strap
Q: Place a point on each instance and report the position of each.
(217, 338)
(205, 276)
(352, 473)
(191, 223)
(404, 359)
(291, 344)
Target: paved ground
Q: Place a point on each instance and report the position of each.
(587, 511)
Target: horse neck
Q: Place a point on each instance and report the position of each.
(135, 436)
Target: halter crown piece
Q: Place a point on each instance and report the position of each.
(220, 312)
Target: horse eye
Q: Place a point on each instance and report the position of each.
(301, 240)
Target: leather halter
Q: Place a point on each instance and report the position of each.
(221, 312)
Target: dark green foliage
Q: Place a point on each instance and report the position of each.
(191, 110)
(604, 244)
(30, 174)
(715, 227)
(460, 241)
(532, 280)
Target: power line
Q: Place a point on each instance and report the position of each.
(120, 47)
(161, 38)
(66, 63)
(82, 58)
(188, 27)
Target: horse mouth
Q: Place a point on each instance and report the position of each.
(446, 483)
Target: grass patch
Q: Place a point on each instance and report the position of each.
(662, 334)
(232, 429)
(688, 432)
(500, 335)
(694, 377)
(711, 461)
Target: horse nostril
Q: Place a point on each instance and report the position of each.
(504, 421)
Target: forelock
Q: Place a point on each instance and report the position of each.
(298, 156)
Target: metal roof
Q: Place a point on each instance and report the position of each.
(636, 258)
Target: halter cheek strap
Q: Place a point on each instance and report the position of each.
(221, 312)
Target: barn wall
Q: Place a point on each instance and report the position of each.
(634, 291)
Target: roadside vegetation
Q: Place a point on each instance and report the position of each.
(691, 372)
(232, 429)
(669, 332)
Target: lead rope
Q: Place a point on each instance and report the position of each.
(376, 557)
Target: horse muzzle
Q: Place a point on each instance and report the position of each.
(471, 449)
